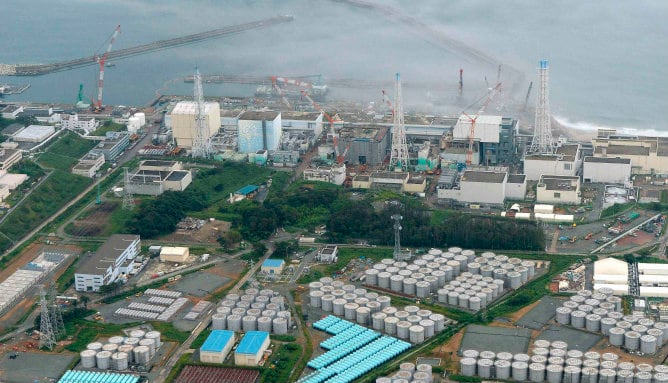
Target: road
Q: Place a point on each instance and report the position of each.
(185, 346)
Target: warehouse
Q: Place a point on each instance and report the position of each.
(612, 273)
(273, 266)
(174, 254)
(108, 263)
(610, 170)
(113, 145)
(34, 133)
(217, 346)
(88, 165)
(250, 349)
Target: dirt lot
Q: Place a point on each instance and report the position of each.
(94, 221)
(208, 233)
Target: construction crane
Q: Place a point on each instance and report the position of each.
(335, 138)
(488, 98)
(80, 99)
(102, 60)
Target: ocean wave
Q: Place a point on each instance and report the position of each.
(592, 127)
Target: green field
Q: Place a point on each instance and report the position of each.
(44, 201)
(65, 151)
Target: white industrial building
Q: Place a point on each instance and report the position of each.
(309, 122)
(89, 164)
(112, 260)
(9, 157)
(153, 177)
(488, 187)
(34, 133)
(73, 122)
(183, 124)
(335, 174)
(250, 350)
(612, 273)
(328, 254)
(558, 190)
(567, 161)
(648, 155)
(609, 170)
(217, 346)
(174, 254)
(12, 180)
(486, 128)
(259, 130)
(516, 187)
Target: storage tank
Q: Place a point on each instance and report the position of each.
(137, 334)
(349, 297)
(573, 362)
(371, 276)
(363, 315)
(439, 322)
(626, 366)
(648, 344)
(249, 323)
(558, 344)
(338, 306)
(578, 319)
(397, 283)
(640, 329)
(464, 301)
(361, 301)
(616, 337)
(521, 357)
(409, 286)
(384, 301)
(474, 267)
(542, 359)
(378, 321)
(150, 343)
(609, 356)
(519, 371)
(384, 280)
(571, 305)
(617, 301)
(470, 353)
(593, 355)
(589, 375)
(467, 366)
(440, 277)
(644, 367)
(280, 325)
(416, 334)
(373, 306)
(608, 364)
(119, 361)
(536, 372)
(111, 347)
(116, 340)
(541, 351)
(615, 315)
(554, 373)
(586, 308)
(141, 355)
(660, 377)
(626, 325)
(391, 325)
(264, 324)
(95, 346)
(485, 368)
(88, 358)
(102, 360)
(591, 363)
(606, 324)
(624, 376)
(131, 341)
(571, 374)
(563, 315)
(502, 369)
(663, 327)
(422, 289)
(316, 296)
(593, 322)
(504, 356)
(126, 348)
(487, 355)
(515, 279)
(632, 341)
(658, 334)
(453, 298)
(643, 377)
(474, 303)
(556, 353)
(442, 295)
(403, 329)
(607, 376)
(234, 322)
(421, 377)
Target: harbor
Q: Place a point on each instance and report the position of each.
(9, 89)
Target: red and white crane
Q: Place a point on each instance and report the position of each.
(102, 60)
(488, 98)
(335, 138)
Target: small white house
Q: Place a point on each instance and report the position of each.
(558, 190)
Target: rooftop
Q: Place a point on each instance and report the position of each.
(391, 175)
(516, 178)
(259, 115)
(190, 107)
(301, 116)
(177, 175)
(7, 153)
(158, 163)
(217, 340)
(624, 150)
(107, 254)
(34, 132)
(559, 182)
(270, 262)
(608, 160)
(252, 342)
(483, 176)
(246, 190)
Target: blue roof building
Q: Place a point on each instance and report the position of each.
(247, 190)
(250, 349)
(217, 346)
(272, 266)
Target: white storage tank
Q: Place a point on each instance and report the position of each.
(126, 348)
(660, 377)
(453, 298)
(577, 362)
(563, 315)
(88, 358)
(607, 376)
(378, 321)
(234, 322)
(536, 372)
(658, 334)
(616, 336)
(141, 355)
(464, 301)
(416, 334)
(487, 355)
(384, 280)
(541, 351)
(131, 341)
(607, 324)
(373, 306)
(116, 340)
(111, 347)
(485, 368)
(632, 341)
(626, 366)
(578, 319)
(249, 323)
(470, 354)
(397, 283)
(593, 322)
(515, 279)
(280, 325)
(542, 359)
(391, 325)
(502, 369)
(640, 329)
(384, 301)
(363, 315)
(119, 361)
(648, 344)
(624, 376)
(422, 289)
(428, 326)
(150, 343)
(264, 324)
(409, 286)
(349, 311)
(439, 322)
(519, 371)
(316, 296)
(643, 377)
(95, 346)
(521, 357)
(554, 373)
(589, 375)
(349, 297)
(644, 367)
(474, 303)
(403, 330)
(103, 360)
(414, 319)
(338, 306)
(571, 374)
(467, 366)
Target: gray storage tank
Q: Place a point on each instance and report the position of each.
(519, 371)
(648, 344)
(467, 366)
(616, 336)
(589, 375)
(391, 325)
(416, 334)
(593, 322)
(563, 315)
(632, 341)
(624, 376)
(643, 377)
(338, 306)
(485, 368)
(554, 373)
(502, 369)
(536, 372)
(378, 321)
(607, 324)
(403, 330)
(578, 319)
(571, 374)
(607, 376)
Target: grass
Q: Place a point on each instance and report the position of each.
(84, 331)
(347, 254)
(281, 364)
(615, 209)
(183, 361)
(108, 126)
(169, 332)
(201, 338)
(44, 201)
(66, 279)
(65, 151)
(28, 167)
(282, 338)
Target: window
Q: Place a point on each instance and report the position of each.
(557, 195)
(567, 166)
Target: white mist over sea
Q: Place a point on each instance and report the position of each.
(608, 59)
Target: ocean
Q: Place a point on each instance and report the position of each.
(607, 58)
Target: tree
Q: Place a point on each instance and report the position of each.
(84, 301)
(283, 249)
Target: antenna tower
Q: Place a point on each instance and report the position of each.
(542, 133)
(128, 199)
(201, 141)
(399, 155)
(47, 336)
(56, 314)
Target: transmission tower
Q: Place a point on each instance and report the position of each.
(399, 155)
(201, 141)
(47, 336)
(542, 132)
(128, 199)
(56, 314)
